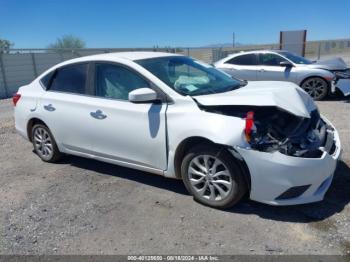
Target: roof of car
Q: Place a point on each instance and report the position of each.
(117, 57)
(250, 52)
(124, 55)
(131, 56)
(280, 51)
(260, 51)
(137, 55)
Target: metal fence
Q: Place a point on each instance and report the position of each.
(20, 66)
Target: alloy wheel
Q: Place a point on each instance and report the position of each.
(43, 143)
(209, 178)
(316, 88)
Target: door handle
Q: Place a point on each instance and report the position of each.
(49, 108)
(98, 115)
(262, 70)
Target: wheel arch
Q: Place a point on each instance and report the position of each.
(182, 149)
(33, 121)
(315, 76)
(187, 143)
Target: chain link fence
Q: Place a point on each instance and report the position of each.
(20, 66)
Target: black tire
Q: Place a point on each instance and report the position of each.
(316, 87)
(238, 187)
(55, 155)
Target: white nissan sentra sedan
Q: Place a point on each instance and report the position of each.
(178, 117)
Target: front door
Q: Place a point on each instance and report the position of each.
(269, 68)
(125, 131)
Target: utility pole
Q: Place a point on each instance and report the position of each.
(233, 39)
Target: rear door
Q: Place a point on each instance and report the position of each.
(243, 67)
(65, 107)
(269, 68)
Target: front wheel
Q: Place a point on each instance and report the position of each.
(213, 176)
(316, 87)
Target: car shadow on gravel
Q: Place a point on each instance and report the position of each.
(337, 97)
(337, 197)
(127, 173)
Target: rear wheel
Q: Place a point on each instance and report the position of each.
(44, 144)
(213, 176)
(316, 87)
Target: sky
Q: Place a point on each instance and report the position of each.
(176, 23)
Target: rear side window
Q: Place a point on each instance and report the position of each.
(248, 59)
(46, 80)
(70, 79)
(116, 82)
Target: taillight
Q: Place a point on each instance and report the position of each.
(249, 125)
(15, 99)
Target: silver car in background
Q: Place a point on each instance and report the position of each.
(318, 78)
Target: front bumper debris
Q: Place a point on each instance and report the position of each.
(273, 174)
(342, 81)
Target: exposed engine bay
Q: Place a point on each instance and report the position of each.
(273, 129)
(341, 74)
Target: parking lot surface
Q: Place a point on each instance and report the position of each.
(82, 206)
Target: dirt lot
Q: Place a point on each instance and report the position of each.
(87, 207)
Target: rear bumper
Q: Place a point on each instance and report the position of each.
(272, 174)
(20, 124)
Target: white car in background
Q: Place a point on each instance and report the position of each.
(175, 116)
(318, 78)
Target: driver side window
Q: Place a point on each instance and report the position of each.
(270, 59)
(116, 82)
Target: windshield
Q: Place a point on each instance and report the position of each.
(295, 58)
(188, 76)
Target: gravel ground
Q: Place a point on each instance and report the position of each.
(82, 206)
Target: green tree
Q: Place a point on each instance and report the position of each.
(68, 42)
(5, 46)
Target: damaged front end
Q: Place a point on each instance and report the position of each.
(270, 129)
(341, 74)
(342, 80)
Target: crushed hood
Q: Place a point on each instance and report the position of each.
(284, 95)
(330, 64)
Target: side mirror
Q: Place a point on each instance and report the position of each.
(143, 95)
(286, 64)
